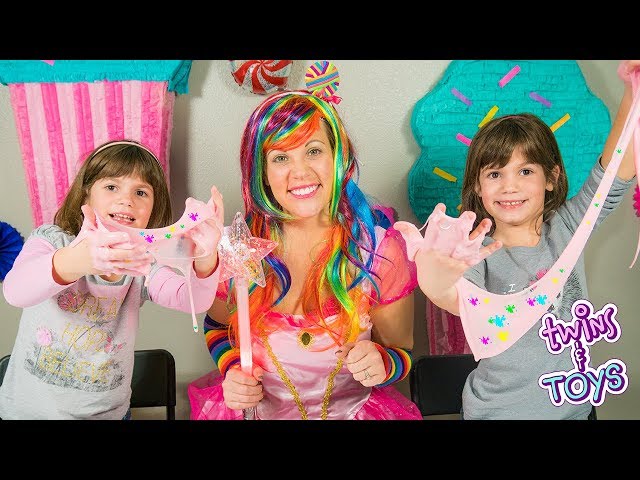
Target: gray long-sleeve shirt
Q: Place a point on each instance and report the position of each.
(506, 386)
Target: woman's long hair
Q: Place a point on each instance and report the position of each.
(284, 121)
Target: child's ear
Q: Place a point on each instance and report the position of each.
(553, 180)
(477, 190)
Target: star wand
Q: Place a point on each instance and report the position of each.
(241, 258)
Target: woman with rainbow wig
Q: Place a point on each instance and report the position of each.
(333, 327)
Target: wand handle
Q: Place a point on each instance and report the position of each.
(244, 332)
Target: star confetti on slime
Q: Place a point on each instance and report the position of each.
(241, 254)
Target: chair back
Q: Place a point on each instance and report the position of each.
(153, 383)
(436, 382)
(4, 363)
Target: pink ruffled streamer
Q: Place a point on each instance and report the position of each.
(635, 85)
(445, 332)
(58, 124)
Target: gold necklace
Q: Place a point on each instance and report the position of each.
(292, 388)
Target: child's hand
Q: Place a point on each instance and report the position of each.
(207, 235)
(626, 68)
(364, 361)
(438, 272)
(215, 202)
(240, 390)
(111, 252)
(96, 252)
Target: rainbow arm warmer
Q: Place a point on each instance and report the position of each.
(217, 337)
(397, 363)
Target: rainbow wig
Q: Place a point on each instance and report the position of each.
(284, 121)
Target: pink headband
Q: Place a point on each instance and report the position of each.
(126, 142)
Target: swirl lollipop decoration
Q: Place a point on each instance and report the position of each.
(241, 258)
(10, 245)
(261, 77)
(322, 79)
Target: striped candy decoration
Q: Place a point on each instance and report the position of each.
(60, 123)
(322, 78)
(261, 77)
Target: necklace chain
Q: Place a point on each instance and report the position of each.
(324, 412)
(292, 388)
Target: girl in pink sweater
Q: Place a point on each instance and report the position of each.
(81, 289)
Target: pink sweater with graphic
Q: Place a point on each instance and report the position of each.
(73, 354)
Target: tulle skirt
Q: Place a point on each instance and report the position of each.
(207, 403)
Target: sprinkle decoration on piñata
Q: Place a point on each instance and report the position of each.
(261, 77)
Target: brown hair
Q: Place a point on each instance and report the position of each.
(492, 147)
(116, 159)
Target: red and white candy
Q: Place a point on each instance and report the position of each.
(261, 77)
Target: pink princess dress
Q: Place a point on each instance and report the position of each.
(303, 378)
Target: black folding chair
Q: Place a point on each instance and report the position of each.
(153, 383)
(436, 383)
(4, 363)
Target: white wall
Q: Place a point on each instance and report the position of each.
(378, 98)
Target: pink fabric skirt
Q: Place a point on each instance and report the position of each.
(207, 403)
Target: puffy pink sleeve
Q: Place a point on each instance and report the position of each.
(30, 280)
(396, 273)
(169, 289)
